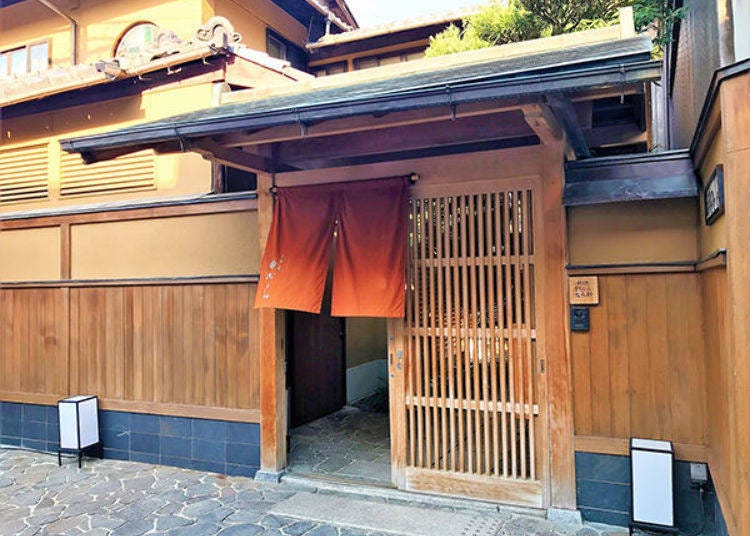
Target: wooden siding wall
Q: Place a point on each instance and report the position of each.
(722, 437)
(33, 356)
(640, 371)
(189, 349)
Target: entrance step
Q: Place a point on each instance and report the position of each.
(371, 491)
(396, 519)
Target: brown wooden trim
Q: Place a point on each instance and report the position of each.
(153, 408)
(396, 392)
(556, 352)
(65, 265)
(505, 490)
(717, 261)
(182, 410)
(631, 269)
(621, 447)
(31, 398)
(153, 281)
(714, 260)
(104, 214)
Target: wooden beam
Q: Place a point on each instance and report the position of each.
(402, 138)
(363, 123)
(237, 158)
(439, 170)
(543, 122)
(595, 94)
(615, 135)
(563, 108)
(410, 154)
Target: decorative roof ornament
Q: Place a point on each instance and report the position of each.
(219, 32)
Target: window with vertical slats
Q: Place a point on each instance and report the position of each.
(129, 173)
(23, 173)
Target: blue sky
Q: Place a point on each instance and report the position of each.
(370, 12)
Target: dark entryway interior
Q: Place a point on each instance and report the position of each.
(339, 425)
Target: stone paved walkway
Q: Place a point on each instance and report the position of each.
(130, 499)
(350, 444)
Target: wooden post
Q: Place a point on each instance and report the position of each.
(397, 372)
(272, 378)
(557, 355)
(735, 118)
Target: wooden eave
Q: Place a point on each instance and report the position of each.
(667, 175)
(168, 62)
(496, 84)
(216, 66)
(709, 120)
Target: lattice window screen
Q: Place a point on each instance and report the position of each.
(471, 319)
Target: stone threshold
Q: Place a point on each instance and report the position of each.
(367, 490)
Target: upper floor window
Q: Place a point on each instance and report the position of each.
(330, 69)
(283, 49)
(136, 38)
(388, 59)
(26, 59)
(276, 47)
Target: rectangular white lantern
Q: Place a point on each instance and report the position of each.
(79, 422)
(652, 470)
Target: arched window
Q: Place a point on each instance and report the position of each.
(135, 38)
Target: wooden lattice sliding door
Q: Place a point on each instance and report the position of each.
(470, 410)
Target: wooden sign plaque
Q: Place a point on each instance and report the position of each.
(584, 290)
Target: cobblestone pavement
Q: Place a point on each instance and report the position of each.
(130, 499)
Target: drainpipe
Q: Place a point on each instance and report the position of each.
(73, 29)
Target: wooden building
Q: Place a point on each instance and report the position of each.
(110, 275)
(385, 44)
(526, 172)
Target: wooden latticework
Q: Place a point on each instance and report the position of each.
(471, 384)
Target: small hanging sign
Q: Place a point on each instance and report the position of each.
(713, 196)
(584, 290)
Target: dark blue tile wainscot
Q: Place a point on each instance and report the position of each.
(203, 444)
(603, 492)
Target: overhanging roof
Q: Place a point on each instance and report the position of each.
(667, 175)
(609, 64)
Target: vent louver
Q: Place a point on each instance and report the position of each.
(23, 173)
(133, 172)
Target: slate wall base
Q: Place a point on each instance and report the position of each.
(229, 448)
(604, 495)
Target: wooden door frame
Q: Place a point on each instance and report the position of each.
(562, 481)
(555, 430)
(550, 158)
(518, 491)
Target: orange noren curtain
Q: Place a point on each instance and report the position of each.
(369, 264)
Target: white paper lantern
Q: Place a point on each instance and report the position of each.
(79, 422)
(652, 466)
